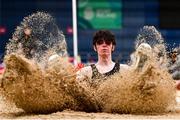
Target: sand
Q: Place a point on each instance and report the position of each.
(10, 112)
(52, 92)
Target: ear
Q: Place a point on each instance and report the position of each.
(113, 47)
(94, 48)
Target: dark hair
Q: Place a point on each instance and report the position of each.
(104, 35)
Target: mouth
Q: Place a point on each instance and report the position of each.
(104, 50)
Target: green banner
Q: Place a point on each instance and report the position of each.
(100, 14)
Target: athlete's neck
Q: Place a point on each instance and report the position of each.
(104, 61)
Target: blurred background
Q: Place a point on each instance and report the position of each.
(123, 17)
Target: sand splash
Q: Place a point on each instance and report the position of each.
(38, 91)
(54, 87)
(37, 37)
(148, 91)
(145, 88)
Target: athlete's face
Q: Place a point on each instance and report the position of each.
(104, 47)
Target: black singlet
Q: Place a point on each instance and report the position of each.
(97, 75)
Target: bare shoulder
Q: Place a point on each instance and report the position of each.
(84, 72)
(85, 69)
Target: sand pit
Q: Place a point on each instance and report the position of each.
(143, 89)
(146, 90)
(8, 113)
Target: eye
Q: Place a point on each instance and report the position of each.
(99, 42)
(108, 42)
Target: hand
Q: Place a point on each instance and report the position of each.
(143, 53)
(53, 57)
(144, 49)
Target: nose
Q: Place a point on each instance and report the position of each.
(104, 43)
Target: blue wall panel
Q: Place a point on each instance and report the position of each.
(135, 14)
